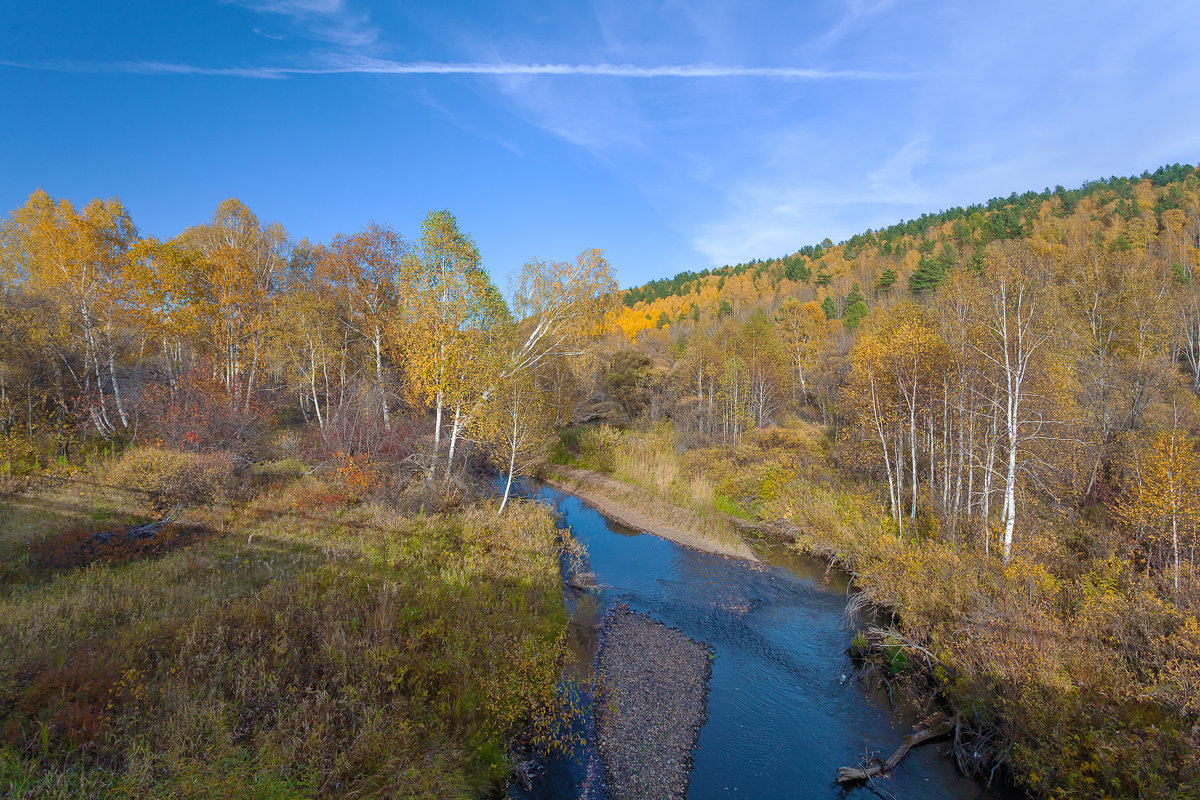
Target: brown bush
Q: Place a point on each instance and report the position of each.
(200, 413)
(172, 477)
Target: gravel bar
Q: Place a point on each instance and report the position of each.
(653, 693)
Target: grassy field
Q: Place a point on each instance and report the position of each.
(1068, 666)
(278, 641)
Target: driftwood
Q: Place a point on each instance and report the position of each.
(585, 582)
(877, 767)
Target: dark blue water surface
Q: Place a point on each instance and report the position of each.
(785, 707)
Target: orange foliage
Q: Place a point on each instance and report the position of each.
(199, 412)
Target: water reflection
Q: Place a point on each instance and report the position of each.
(784, 711)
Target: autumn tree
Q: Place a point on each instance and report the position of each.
(78, 261)
(453, 308)
(1016, 323)
(235, 285)
(872, 402)
(803, 327)
(312, 336)
(896, 378)
(514, 426)
(1165, 498)
(766, 364)
(373, 270)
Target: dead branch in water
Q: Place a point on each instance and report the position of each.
(877, 767)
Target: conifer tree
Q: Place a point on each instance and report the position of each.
(828, 307)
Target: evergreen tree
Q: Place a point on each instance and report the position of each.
(829, 308)
(886, 281)
(797, 269)
(931, 272)
(929, 276)
(854, 313)
(855, 296)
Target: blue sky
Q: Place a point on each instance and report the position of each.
(673, 135)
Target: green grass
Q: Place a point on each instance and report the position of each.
(724, 504)
(306, 648)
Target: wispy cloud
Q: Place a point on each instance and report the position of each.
(857, 13)
(377, 66)
(326, 20)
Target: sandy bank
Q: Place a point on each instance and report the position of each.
(635, 508)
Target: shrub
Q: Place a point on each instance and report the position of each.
(355, 475)
(171, 477)
(200, 414)
(356, 425)
(598, 448)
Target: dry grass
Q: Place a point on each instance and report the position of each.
(337, 650)
(676, 495)
(82, 500)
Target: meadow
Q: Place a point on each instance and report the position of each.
(282, 636)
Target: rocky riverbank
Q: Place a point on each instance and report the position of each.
(652, 699)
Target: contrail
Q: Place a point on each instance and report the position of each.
(376, 66)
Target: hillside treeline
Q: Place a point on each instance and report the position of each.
(915, 257)
(1045, 363)
(371, 345)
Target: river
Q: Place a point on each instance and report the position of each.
(785, 707)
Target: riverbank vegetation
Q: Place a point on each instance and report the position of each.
(279, 640)
(1062, 669)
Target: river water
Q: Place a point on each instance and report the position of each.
(785, 707)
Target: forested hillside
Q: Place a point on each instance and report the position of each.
(916, 257)
(1008, 453)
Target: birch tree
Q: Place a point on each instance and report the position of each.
(454, 309)
(514, 427)
(1015, 324)
(373, 271)
(236, 283)
(79, 261)
(1165, 501)
(802, 326)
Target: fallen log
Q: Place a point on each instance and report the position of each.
(143, 531)
(877, 767)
